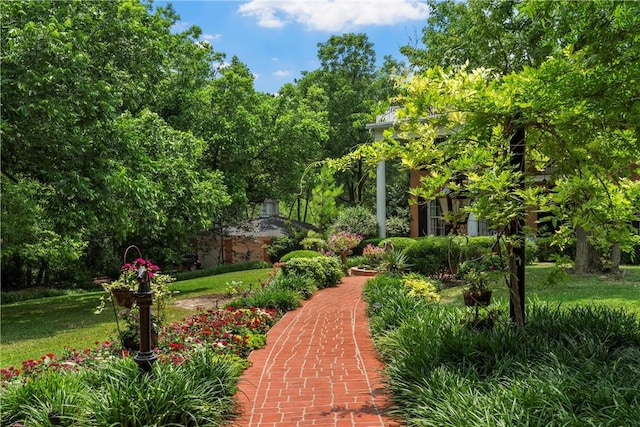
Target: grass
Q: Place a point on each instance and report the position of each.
(570, 290)
(33, 328)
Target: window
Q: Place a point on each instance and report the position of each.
(436, 225)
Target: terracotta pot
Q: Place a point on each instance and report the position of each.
(123, 297)
(479, 298)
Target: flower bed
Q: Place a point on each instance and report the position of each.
(226, 331)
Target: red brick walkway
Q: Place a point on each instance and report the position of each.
(318, 368)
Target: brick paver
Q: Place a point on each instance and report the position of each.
(318, 368)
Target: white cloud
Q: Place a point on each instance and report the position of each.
(211, 37)
(334, 15)
(282, 73)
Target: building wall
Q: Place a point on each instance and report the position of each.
(213, 250)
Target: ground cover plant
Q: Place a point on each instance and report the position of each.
(573, 364)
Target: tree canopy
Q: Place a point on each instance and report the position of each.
(578, 107)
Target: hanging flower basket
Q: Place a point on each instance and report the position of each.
(123, 297)
(477, 298)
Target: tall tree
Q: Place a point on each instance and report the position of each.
(71, 73)
(575, 106)
(347, 73)
(480, 33)
(509, 36)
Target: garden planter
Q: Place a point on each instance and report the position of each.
(355, 271)
(481, 298)
(343, 256)
(123, 297)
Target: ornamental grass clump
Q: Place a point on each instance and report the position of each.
(568, 366)
(200, 392)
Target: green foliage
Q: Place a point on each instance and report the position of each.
(300, 254)
(395, 262)
(347, 76)
(430, 255)
(278, 298)
(420, 286)
(323, 199)
(95, 87)
(199, 392)
(280, 246)
(573, 354)
(399, 243)
(324, 271)
(397, 226)
(302, 285)
(389, 304)
(359, 220)
(29, 240)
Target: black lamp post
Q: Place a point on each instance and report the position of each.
(144, 299)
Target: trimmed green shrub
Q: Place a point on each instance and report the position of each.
(324, 271)
(359, 220)
(399, 243)
(431, 254)
(303, 285)
(398, 226)
(302, 253)
(282, 300)
(220, 269)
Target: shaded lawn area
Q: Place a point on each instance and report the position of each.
(572, 290)
(33, 328)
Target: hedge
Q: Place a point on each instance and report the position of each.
(302, 253)
(325, 271)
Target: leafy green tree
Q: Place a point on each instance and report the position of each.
(481, 33)
(346, 75)
(32, 252)
(570, 108)
(323, 200)
(590, 81)
(76, 77)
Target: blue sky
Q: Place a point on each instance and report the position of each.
(277, 39)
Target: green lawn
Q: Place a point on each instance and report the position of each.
(33, 328)
(573, 290)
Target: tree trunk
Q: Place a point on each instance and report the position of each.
(587, 259)
(515, 302)
(616, 256)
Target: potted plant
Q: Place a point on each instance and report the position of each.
(477, 292)
(342, 242)
(121, 294)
